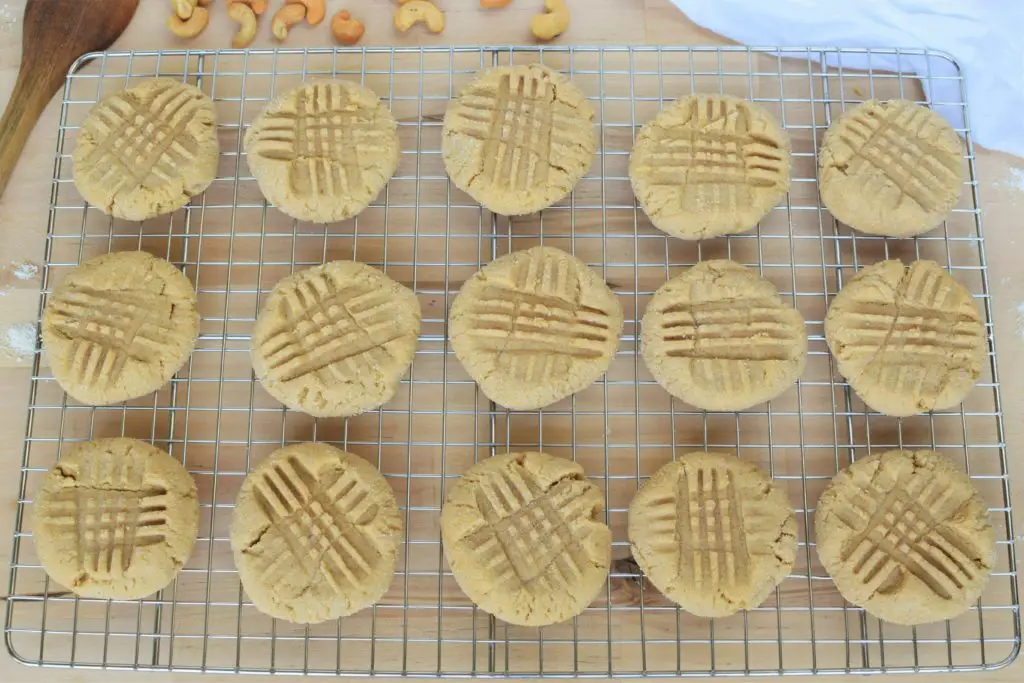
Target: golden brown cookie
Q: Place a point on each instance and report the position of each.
(905, 535)
(119, 326)
(315, 534)
(534, 327)
(115, 518)
(524, 534)
(335, 340)
(323, 151)
(709, 165)
(891, 168)
(147, 150)
(518, 138)
(712, 533)
(720, 338)
(907, 339)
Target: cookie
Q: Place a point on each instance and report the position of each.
(147, 150)
(890, 168)
(712, 533)
(709, 165)
(907, 339)
(119, 326)
(534, 327)
(335, 340)
(315, 534)
(518, 138)
(323, 151)
(720, 338)
(525, 537)
(115, 518)
(906, 536)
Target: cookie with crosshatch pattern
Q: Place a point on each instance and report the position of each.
(712, 533)
(709, 165)
(525, 537)
(147, 150)
(323, 151)
(119, 326)
(115, 518)
(518, 138)
(315, 534)
(719, 337)
(908, 339)
(335, 340)
(891, 168)
(905, 535)
(534, 327)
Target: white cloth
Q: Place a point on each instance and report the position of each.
(985, 36)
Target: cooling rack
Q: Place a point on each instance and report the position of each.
(427, 234)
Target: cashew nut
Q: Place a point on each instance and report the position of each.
(204, 3)
(285, 18)
(345, 29)
(246, 18)
(183, 8)
(493, 4)
(191, 27)
(315, 10)
(258, 6)
(551, 23)
(419, 11)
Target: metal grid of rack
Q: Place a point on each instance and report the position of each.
(428, 235)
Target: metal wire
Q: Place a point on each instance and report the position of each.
(428, 235)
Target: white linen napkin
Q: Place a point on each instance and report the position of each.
(985, 36)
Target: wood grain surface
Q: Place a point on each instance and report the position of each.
(24, 209)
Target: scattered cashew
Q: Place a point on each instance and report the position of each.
(204, 3)
(191, 27)
(345, 29)
(493, 4)
(551, 23)
(258, 7)
(315, 10)
(285, 18)
(419, 11)
(183, 8)
(246, 18)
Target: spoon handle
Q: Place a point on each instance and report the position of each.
(28, 100)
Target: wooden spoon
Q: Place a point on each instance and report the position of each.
(56, 33)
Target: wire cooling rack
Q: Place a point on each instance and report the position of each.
(428, 235)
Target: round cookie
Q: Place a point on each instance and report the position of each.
(907, 339)
(525, 537)
(115, 518)
(518, 138)
(720, 338)
(315, 534)
(905, 535)
(534, 327)
(709, 165)
(712, 533)
(119, 326)
(335, 340)
(147, 150)
(890, 168)
(323, 151)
